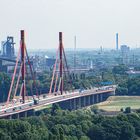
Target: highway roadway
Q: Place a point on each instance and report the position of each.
(13, 108)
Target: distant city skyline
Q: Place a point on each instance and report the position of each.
(94, 22)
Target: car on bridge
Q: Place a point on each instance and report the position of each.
(14, 100)
(44, 96)
(30, 104)
(36, 101)
(81, 90)
(15, 108)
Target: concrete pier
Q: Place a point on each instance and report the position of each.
(84, 101)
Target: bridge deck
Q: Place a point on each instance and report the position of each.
(50, 99)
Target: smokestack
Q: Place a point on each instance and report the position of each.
(117, 41)
(74, 52)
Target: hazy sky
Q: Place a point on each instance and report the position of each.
(94, 22)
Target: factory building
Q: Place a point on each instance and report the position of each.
(7, 48)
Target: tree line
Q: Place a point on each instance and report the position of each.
(57, 124)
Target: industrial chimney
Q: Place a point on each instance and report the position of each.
(117, 41)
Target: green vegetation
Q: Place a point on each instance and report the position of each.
(56, 124)
(118, 102)
(76, 125)
(43, 107)
(121, 69)
(4, 86)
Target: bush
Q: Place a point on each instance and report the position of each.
(127, 110)
(95, 109)
(121, 110)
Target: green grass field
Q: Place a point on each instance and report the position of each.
(117, 102)
(43, 107)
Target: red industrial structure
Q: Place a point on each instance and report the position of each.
(60, 72)
(61, 65)
(21, 59)
(23, 65)
(61, 62)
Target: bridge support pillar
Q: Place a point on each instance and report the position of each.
(82, 101)
(30, 113)
(97, 100)
(74, 104)
(8, 117)
(70, 106)
(18, 116)
(86, 98)
(92, 99)
(15, 116)
(89, 100)
(23, 114)
(33, 112)
(79, 102)
(101, 97)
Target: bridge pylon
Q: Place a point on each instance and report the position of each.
(61, 76)
(17, 89)
(23, 65)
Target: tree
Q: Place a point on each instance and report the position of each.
(37, 121)
(121, 91)
(84, 138)
(95, 109)
(127, 132)
(111, 128)
(121, 69)
(4, 136)
(96, 133)
(4, 86)
(128, 110)
(55, 109)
